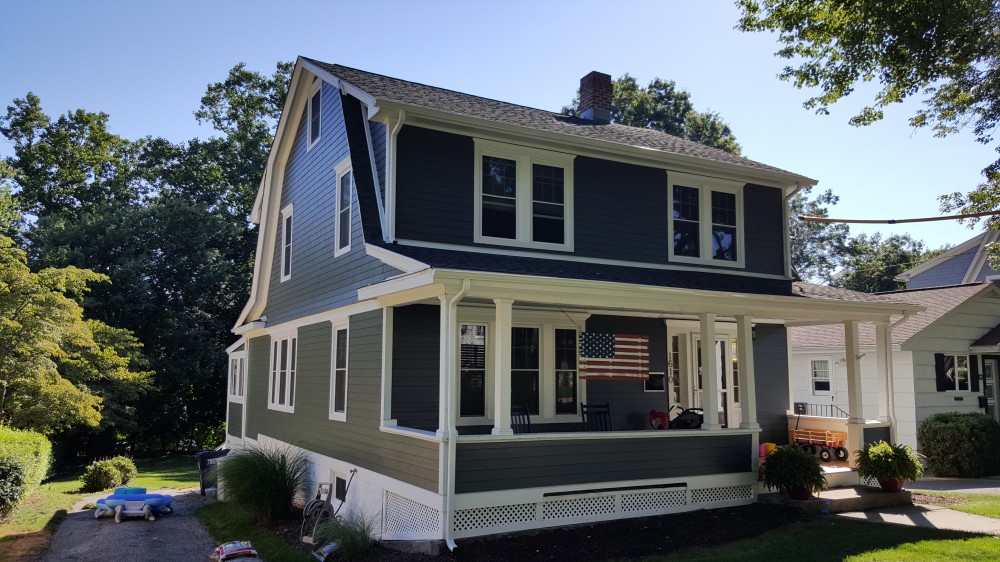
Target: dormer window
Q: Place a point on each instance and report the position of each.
(524, 196)
(705, 220)
(314, 112)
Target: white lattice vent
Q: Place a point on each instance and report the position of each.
(654, 501)
(578, 507)
(725, 493)
(499, 516)
(403, 515)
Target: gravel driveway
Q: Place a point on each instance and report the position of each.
(177, 536)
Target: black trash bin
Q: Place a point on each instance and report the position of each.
(205, 463)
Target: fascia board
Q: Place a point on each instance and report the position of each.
(392, 259)
(419, 116)
(981, 257)
(343, 85)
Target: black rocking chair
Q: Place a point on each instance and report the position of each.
(596, 417)
(520, 419)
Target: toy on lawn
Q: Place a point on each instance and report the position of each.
(133, 502)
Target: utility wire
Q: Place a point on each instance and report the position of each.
(899, 221)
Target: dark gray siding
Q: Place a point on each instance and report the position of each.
(319, 281)
(378, 148)
(234, 425)
(770, 363)
(950, 272)
(416, 354)
(876, 434)
(762, 219)
(483, 467)
(255, 401)
(630, 404)
(358, 440)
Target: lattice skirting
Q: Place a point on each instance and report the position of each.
(593, 507)
(406, 519)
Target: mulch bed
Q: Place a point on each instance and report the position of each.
(930, 499)
(626, 539)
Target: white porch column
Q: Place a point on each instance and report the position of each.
(445, 348)
(882, 360)
(709, 367)
(744, 358)
(501, 367)
(855, 409)
(883, 337)
(387, 331)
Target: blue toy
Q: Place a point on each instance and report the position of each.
(133, 502)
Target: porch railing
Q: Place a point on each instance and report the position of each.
(819, 410)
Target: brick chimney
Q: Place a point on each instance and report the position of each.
(595, 97)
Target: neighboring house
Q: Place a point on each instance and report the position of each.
(944, 359)
(426, 264)
(966, 263)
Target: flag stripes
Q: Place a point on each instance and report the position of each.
(614, 356)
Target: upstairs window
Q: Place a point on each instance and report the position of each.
(281, 384)
(286, 243)
(314, 112)
(345, 184)
(338, 378)
(524, 196)
(705, 220)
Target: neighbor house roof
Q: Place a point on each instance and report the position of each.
(937, 302)
(403, 92)
(989, 342)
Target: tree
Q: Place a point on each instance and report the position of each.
(871, 263)
(816, 248)
(661, 106)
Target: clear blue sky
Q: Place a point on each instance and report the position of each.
(147, 64)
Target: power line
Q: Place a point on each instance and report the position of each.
(898, 221)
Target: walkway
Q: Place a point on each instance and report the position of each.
(177, 536)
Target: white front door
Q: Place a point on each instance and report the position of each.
(726, 378)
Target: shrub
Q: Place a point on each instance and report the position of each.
(883, 461)
(29, 448)
(13, 484)
(100, 475)
(960, 444)
(790, 468)
(126, 469)
(265, 481)
(353, 535)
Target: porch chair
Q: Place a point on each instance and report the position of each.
(520, 419)
(596, 417)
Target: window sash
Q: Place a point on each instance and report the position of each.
(706, 223)
(472, 372)
(286, 244)
(344, 197)
(284, 351)
(315, 112)
(958, 371)
(822, 383)
(338, 383)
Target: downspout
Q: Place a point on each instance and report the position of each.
(450, 449)
(788, 240)
(890, 379)
(390, 181)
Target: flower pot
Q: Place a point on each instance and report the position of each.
(799, 493)
(892, 484)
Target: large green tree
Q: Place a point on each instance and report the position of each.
(817, 248)
(662, 106)
(871, 263)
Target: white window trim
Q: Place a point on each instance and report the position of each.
(812, 376)
(286, 214)
(310, 141)
(547, 323)
(968, 365)
(525, 158)
(337, 326)
(238, 397)
(705, 185)
(666, 382)
(272, 379)
(342, 169)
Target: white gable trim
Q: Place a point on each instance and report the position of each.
(982, 257)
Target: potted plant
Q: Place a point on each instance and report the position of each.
(794, 472)
(891, 465)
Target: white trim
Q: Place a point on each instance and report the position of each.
(420, 434)
(341, 326)
(236, 344)
(525, 158)
(371, 159)
(239, 372)
(829, 376)
(583, 259)
(404, 282)
(287, 241)
(316, 89)
(604, 435)
(343, 168)
(388, 315)
(394, 260)
(979, 261)
(666, 382)
(335, 315)
(705, 186)
(291, 371)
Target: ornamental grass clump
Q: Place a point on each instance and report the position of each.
(352, 534)
(264, 481)
(794, 472)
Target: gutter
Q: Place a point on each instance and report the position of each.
(452, 434)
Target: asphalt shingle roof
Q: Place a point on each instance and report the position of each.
(440, 99)
(991, 338)
(938, 302)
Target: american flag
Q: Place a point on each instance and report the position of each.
(614, 356)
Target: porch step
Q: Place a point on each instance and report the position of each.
(840, 476)
(839, 500)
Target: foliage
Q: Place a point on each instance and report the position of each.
(31, 449)
(789, 467)
(884, 461)
(226, 522)
(264, 481)
(966, 445)
(816, 247)
(352, 533)
(871, 263)
(661, 106)
(126, 469)
(99, 475)
(13, 484)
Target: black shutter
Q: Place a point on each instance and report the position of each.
(942, 379)
(974, 372)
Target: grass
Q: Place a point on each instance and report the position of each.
(227, 521)
(977, 504)
(26, 533)
(834, 540)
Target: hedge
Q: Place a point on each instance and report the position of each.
(24, 462)
(960, 444)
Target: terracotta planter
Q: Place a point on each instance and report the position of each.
(892, 484)
(799, 493)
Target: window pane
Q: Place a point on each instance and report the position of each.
(685, 203)
(499, 177)
(565, 356)
(724, 243)
(963, 372)
(472, 397)
(524, 389)
(723, 208)
(287, 254)
(686, 239)
(341, 349)
(566, 392)
(548, 212)
(821, 385)
(274, 371)
(344, 212)
(340, 396)
(547, 224)
(547, 184)
(524, 348)
(314, 123)
(565, 350)
(499, 213)
(473, 393)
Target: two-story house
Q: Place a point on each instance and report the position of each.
(428, 265)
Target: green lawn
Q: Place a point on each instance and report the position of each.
(986, 505)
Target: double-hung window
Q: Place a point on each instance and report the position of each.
(705, 220)
(281, 384)
(338, 374)
(286, 243)
(524, 196)
(237, 376)
(345, 184)
(953, 372)
(313, 114)
(820, 375)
